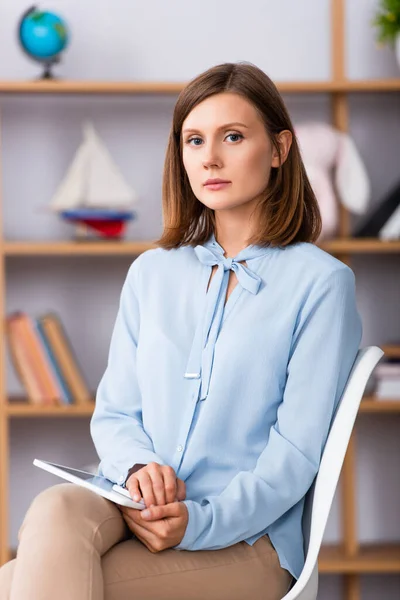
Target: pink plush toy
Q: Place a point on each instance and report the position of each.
(333, 164)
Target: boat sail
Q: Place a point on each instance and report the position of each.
(93, 191)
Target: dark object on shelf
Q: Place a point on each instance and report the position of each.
(377, 219)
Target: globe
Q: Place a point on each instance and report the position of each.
(43, 36)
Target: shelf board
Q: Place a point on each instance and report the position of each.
(72, 248)
(162, 88)
(369, 85)
(369, 404)
(374, 558)
(89, 87)
(133, 248)
(23, 409)
(360, 246)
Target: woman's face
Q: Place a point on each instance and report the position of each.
(224, 137)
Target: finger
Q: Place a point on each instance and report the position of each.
(158, 484)
(181, 489)
(151, 526)
(135, 516)
(143, 531)
(154, 513)
(133, 487)
(146, 487)
(170, 484)
(127, 510)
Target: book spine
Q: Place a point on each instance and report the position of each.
(66, 358)
(22, 363)
(52, 393)
(65, 394)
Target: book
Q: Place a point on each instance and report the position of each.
(65, 393)
(21, 361)
(36, 356)
(64, 355)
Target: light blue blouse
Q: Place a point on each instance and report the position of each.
(238, 398)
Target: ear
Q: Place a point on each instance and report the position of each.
(284, 141)
(351, 177)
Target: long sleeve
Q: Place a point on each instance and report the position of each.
(325, 342)
(116, 426)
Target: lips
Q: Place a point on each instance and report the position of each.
(215, 181)
(217, 186)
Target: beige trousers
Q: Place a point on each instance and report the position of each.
(75, 545)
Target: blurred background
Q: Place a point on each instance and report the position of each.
(339, 72)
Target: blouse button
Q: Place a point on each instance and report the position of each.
(180, 448)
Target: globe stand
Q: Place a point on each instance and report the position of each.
(47, 74)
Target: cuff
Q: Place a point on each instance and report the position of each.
(199, 520)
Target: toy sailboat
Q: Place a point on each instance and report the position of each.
(94, 194)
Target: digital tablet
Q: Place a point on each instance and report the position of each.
(100, 485)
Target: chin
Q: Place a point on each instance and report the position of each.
(219, 205)
(225, 205)
(219, 202)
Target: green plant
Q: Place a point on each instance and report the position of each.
(387, 21)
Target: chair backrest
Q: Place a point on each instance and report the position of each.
(320, 496)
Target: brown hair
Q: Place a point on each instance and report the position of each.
(289, 211)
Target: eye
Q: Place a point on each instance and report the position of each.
(191, 140)
(239, 136)
(235, 135)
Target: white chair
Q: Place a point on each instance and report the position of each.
(320, 496)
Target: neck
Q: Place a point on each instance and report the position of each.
(233, 239)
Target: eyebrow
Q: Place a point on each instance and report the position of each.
(226, 126)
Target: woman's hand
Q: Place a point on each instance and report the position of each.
(163, 528)
(157, 484)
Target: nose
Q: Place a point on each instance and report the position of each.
(211, 162)
(211, 157)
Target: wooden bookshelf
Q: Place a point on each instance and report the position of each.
(72, 248)
(370, 404)
(350, 559)
(24, 410)
(119, 88)
(133, 248)
(373, 558)
(350, 245)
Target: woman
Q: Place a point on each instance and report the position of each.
(231, 348)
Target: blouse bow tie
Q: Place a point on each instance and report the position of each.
(247, 278)
(201, 355)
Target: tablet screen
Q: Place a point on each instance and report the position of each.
(97, 480)
(81, 474)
